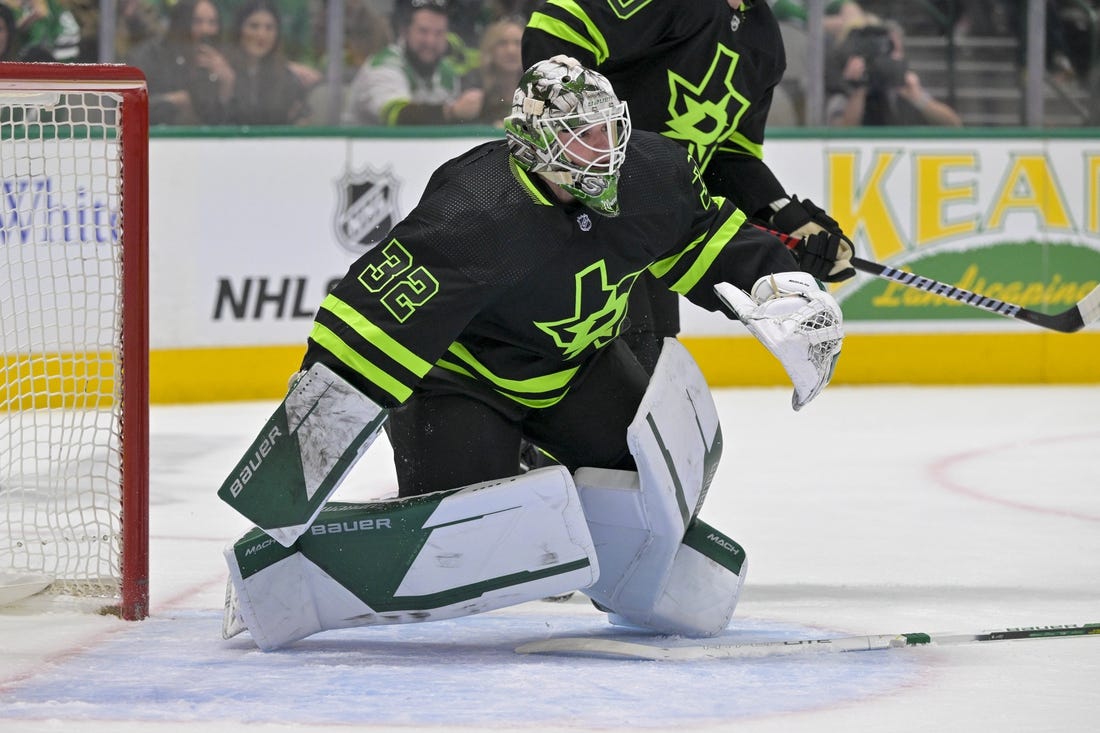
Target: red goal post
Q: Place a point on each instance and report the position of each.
(74, 333)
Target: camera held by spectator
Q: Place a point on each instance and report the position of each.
(872, 84)
(884, 67)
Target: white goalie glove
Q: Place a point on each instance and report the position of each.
(798, 322)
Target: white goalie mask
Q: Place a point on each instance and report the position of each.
(568, 125)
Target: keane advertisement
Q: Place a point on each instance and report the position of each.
(1011, 220)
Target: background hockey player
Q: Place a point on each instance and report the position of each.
(491, 314)
(701, 73)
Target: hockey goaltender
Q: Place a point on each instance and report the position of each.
(490, 315)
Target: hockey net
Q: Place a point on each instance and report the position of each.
(74, 334)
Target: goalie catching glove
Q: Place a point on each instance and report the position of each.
(798, 322)
(825, 251)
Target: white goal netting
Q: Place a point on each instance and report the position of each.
(60, 339)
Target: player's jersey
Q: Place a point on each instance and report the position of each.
(695, 71)
(493, 280)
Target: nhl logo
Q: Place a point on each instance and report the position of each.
(584, 221)
(367, 208)
(735, 22)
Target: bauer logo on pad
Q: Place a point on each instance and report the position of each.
(252, 463)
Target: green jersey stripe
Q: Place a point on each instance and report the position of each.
(375, 336)
(545, 383)
(710, 251)
(746, 146)
(525, 401)
(356, 361)
(662, 267)
(594, 43)
(525, 179)
(535, 385)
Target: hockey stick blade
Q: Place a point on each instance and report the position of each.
(1084, 312)
(614, 648)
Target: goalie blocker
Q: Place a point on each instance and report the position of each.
(637, 548)
(303, 453)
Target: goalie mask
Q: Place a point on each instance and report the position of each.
(568, 126)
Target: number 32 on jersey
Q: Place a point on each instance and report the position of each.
(401, 287)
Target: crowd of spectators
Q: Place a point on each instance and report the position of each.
(406, 62)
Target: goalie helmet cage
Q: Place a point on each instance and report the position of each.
(74, 384)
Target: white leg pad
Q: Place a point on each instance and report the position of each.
(689, 588)
(676, 440)
(639, 520)
(432, 557)
(703, 586)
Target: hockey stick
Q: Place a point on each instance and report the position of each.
(602, 647)
(1074, 319)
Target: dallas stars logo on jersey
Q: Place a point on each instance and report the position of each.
(598, 315)
(697, 116)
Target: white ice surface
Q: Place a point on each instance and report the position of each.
(873, 510)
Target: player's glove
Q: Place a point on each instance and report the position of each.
(825, 251)
(826, 256)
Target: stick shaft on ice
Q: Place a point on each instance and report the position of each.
(596, 646)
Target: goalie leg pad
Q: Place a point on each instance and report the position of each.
(302, 454)
(639, 520)
(676, 438)
(431, 557)
(703, 585)
(689, 588)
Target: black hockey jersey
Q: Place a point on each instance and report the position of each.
(496, 282)
(695, 71)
